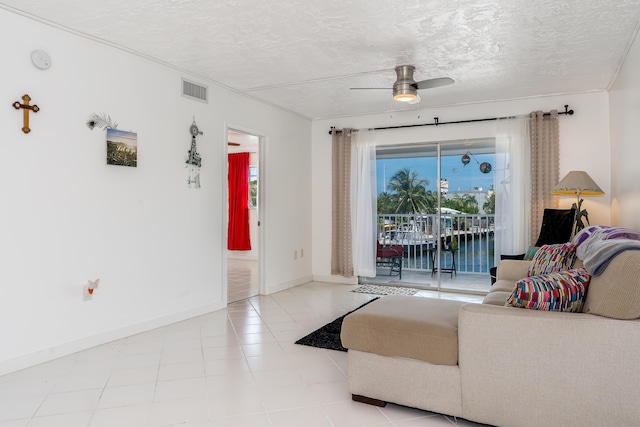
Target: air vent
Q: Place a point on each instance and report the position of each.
(194, 90)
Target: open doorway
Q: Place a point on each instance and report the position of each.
(243, 243)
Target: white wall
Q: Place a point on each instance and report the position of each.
(584, 139)
(156, 245)
(624, 100)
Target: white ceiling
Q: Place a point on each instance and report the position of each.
(304, 55)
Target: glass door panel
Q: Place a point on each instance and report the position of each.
(467, 208)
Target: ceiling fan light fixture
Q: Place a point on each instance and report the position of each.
(404, 89)
(404, 97)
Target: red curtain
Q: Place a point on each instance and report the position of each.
(238, 232)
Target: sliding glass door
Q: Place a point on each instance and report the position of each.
(436, 201)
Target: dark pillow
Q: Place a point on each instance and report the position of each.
(517, 257)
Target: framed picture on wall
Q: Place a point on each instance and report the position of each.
(122, 148)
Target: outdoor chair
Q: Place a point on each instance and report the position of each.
(390, 256)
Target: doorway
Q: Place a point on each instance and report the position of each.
(243, 266)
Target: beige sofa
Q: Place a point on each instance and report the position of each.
(501, 365)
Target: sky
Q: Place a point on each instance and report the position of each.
(121, 136)
(459, 176)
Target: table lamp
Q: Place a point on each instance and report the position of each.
(578, 183)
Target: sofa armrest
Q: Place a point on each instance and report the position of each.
(519, 366)
(511, 269)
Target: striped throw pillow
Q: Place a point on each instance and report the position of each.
(559, 291)
(552, 258)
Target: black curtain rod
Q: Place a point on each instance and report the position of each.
(436, 122)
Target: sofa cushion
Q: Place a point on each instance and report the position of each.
(559, 291)
(503, 286)
(406, 326)
(616, 292)
(496, 298)
(552, 258)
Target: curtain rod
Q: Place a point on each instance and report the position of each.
(436, 122)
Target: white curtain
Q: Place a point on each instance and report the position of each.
(363, 203)
(513, 190)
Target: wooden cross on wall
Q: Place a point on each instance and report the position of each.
(26, 107)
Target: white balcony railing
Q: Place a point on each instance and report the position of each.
(419, 233)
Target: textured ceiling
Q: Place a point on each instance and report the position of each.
(305, 55)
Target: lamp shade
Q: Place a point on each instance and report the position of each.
(577, 183)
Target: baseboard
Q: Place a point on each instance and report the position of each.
(51, 353)
(288, 285)
(336, 279)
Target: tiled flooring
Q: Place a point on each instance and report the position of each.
(242, 279)
(234, 367)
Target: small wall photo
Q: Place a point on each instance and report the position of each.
(122, 148)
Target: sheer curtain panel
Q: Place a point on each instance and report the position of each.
(363, 203)
(513, 201)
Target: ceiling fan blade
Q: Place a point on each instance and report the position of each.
(431, 83)
(368, 88)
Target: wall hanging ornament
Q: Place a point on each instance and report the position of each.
(102, 121)
(485, 167)
(194, 161)
(25, 111)
(91, 286)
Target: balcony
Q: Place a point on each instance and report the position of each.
(472, 237)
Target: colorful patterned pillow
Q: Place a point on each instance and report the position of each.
(552, 258)
(561, 291)
(531, 252)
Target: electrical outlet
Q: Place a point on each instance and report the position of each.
(295, 254)
(86, 296)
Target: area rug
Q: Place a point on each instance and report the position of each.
(385, 290)
(328, 336)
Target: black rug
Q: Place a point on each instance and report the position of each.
(328, 336)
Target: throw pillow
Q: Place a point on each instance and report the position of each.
(531, 252)
(552, 258)
(560, 291)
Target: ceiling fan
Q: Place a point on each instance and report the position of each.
(405, 88)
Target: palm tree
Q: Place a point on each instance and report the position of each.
(386, 203)
(410, 193)
(467, 203)
(489, 206)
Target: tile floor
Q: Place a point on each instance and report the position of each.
(234, 367)
(242, 279)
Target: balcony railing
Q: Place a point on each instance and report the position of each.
(418, 233)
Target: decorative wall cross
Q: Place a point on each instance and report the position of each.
(26, 107)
